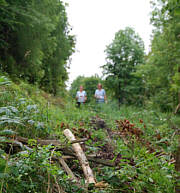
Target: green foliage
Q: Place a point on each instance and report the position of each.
(35, 42)
(31, 169)
(142, 179)
(20, 113)
(4, 81)
(149, 172)
(123, 55)
(160, 72)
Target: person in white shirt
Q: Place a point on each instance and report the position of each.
(100, 94)
(81, 96)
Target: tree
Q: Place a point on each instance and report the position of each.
(35, 42)
(123, 55)
(160, 71)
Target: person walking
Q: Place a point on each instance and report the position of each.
(100, 94)
(81, 96)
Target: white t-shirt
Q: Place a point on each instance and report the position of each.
(81, 96)
(100, 94)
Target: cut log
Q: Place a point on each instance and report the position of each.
(81, 157)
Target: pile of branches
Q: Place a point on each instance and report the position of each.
(69, 151)
(75, 148)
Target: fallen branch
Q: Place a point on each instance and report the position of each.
(91, 158)
(101, 161)
(68, 154)
(67, 169)
(39, 141)
(48, 141)
(81, 157)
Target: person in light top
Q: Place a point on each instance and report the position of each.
(100, 94)
(81, 96)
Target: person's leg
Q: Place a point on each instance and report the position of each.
(78, 104)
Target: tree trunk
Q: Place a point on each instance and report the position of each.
(81, 157)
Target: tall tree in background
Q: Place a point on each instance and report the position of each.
(123, 55)
(160, 72)
(35, 42)
(56, 61)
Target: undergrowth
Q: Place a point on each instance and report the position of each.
(140, 142)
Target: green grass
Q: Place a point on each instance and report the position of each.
(35, 114)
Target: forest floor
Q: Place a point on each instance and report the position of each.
(131, 149)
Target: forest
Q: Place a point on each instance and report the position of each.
(130, 144)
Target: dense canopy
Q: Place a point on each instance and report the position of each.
(35, 43)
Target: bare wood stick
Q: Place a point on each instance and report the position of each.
(93, 159)
(48, 189)
(39, 141)
(67, 152)
(60, 189)
(79, 140)
(48, 141)
(102, 161)
(71, 156)
(81, 157)
(67, 169)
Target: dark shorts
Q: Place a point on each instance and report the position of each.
(78, 104)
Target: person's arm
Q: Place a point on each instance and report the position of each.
(85, 97)
(105, 97)
(95, 96)
(77, 96)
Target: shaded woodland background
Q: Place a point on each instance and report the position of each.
(36, 45)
